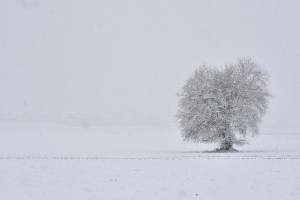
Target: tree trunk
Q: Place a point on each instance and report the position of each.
(226, 144)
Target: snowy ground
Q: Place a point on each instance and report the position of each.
(52, 161)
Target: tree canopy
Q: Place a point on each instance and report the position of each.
(218, 105)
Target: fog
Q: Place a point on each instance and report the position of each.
(122, 62)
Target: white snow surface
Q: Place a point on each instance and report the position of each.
(54, 161)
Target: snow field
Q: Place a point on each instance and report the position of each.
(51, 161)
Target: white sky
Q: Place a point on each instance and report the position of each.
(125, 60)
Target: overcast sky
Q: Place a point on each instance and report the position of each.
(126, 60)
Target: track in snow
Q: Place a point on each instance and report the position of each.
(202, 156)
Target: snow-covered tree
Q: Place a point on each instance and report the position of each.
(224, 105)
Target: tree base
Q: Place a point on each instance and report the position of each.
(220, 150)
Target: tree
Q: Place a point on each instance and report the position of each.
(223, 105)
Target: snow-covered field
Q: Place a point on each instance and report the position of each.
(54, 161)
